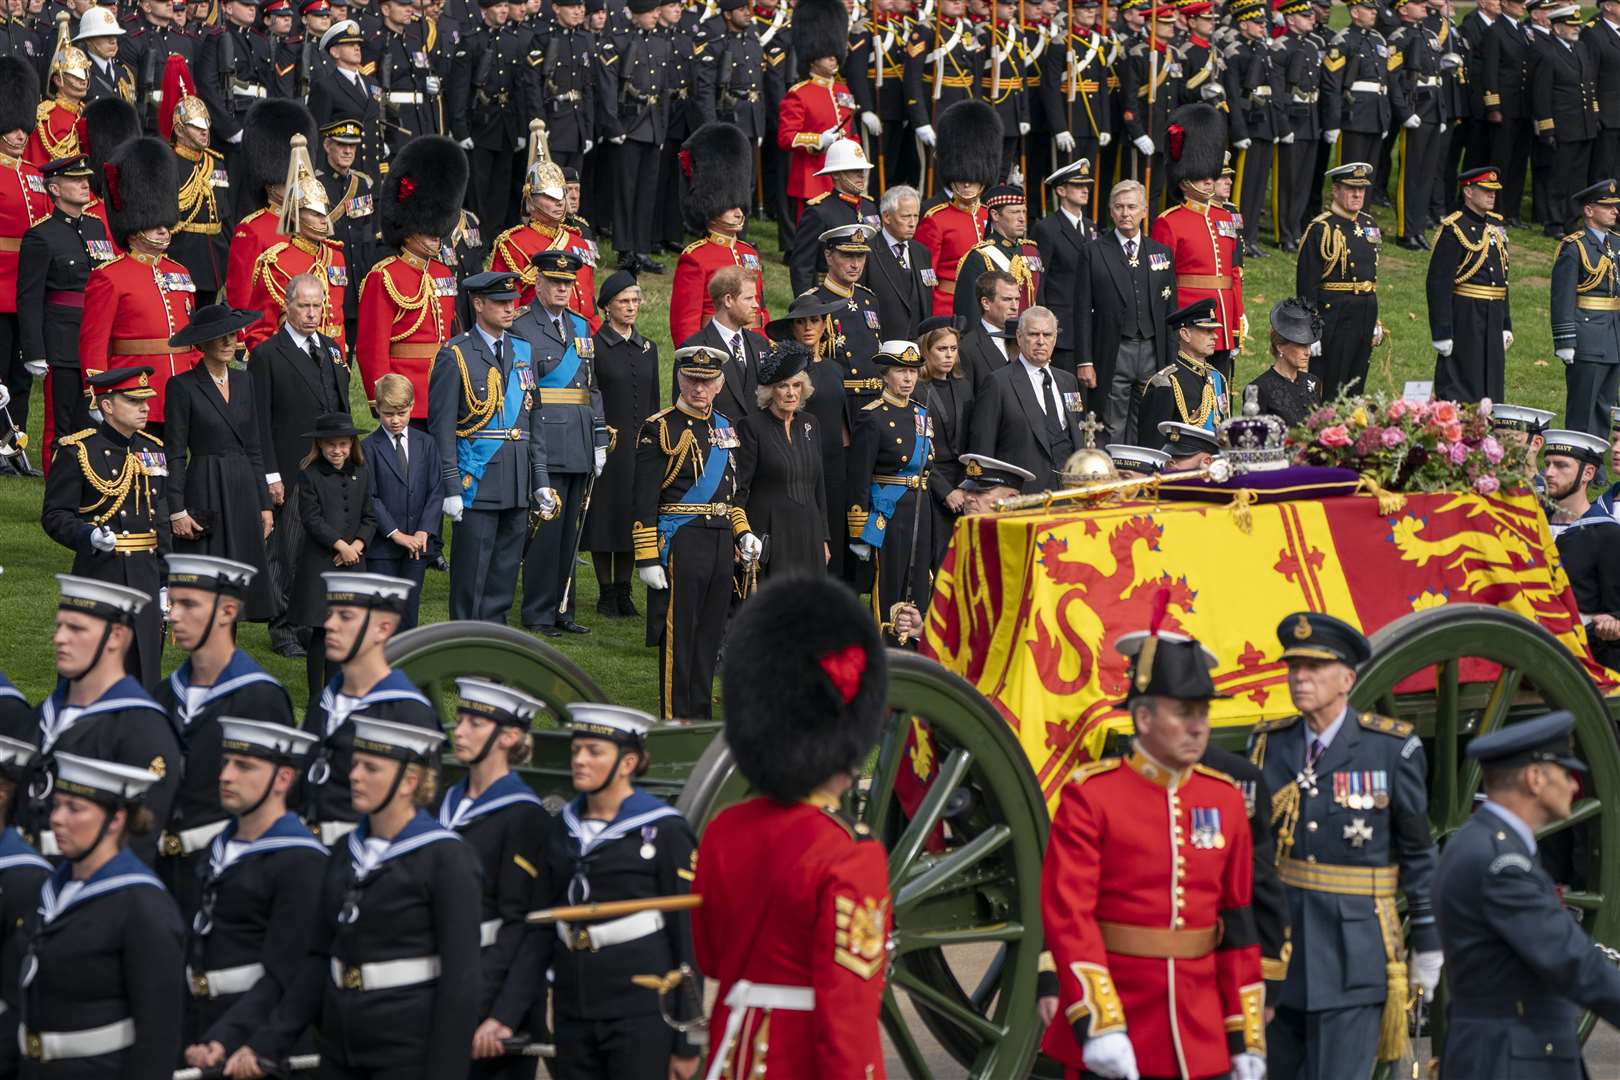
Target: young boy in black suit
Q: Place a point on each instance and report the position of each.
(406, 491)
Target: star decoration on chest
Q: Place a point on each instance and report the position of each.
(1358, 832)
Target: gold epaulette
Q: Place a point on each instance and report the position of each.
(1095, 768)
(43, 110)
(77, 436)
(1267, 726)
(1451, 218)
(936, 208)
(1385, 725)
(1214, 773)
(149, 437)
(694, 245)
(1492, 215)
(260, 211)
(816, 199)
(856, 830)
(871, 405)
(1571, 238)
(795, 86)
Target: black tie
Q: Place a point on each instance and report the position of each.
(399, 444)
(1054, 419)
(499, 350)
(562, 337)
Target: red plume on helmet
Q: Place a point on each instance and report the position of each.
(177, 84)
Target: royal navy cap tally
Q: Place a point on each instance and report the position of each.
(209, 573)
(493, 701)
(492, 285)
(1505, 417)
(853, 239)
(1546, 738)
(981, 473)
(256, 738)
(1184, 440)
(1311, 635)
(103, 599)
(589, 720)
(898, 353)
(559, 265)
(134, 382)
(1575, 444)
(346, 588)
(1352, 174)
(700, 361)
(1140, 459)
(102, 781)
(390, 739)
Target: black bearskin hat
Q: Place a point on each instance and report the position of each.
(804, 686)
(19, 95)
(267, 144)
(143, 188)
(968, 144)
(1197, 143)
(423, 190)
(109, 123)
(820, 28)
(718, 162)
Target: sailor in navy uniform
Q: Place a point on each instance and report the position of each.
(252, 932)
(1351, 819)
(508, 828)
(617, 843)
(1523, 425)
(217, 679)
(891, 447)
(685, 523)
(104, 952)
(16, 714)
(22, 873)
(98, 711)
(362, 613)
(1522, 969)
(1586, 534)
(391, 977)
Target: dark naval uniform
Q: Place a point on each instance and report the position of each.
(1188, 391)
(1586, 318)
(488, 103)
(823, 212)
(1468, 306)
(1353, 833)
(891, 447)
(1355, 92)
(1338, 272)
(853, 336)
(1417, 89)
(102, 479)
(1297, 174)
(354, 225)
(402, 66)
(728, 82)
(22, 873)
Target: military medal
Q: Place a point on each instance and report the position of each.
(1357, 833)
(1206, 828)
(647, 834)
(1380, 795)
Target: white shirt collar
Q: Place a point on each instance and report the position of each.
(1123, 240)
(1037, 381)
(490, 342)
(994, 334)
(889, 238)
(1073, 219)
(1328, 735)
(301, 340)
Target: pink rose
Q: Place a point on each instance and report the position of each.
(1491, 449)
(1486, 485)
(1392, 437)
(1337, 435)
(1399, 408)
(1452, 433)
(1445, 412)
(1456, 453)
(1484, 408)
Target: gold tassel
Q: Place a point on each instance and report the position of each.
(1242, 499)
(1285, 809)
(1389, 502)
(1394, 1039)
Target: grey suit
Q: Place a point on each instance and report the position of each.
(573, 431)
(489, 537)
(1579, 322)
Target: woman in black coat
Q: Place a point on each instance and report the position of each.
(627, 373)
(334, 505)
(949, 399)
(216, 476)
(780, 480)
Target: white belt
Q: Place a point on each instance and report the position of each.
(487, 931)
(745, 995)
(385, 974)
(45, 1046)
(247, 89)
(330, 832)
(191, 840)
(406, 97)
(1429, 82)
(613, 932)
(225, 981)
(1369, 86)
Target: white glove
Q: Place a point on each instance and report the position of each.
(467, 143)
(1331, 135)
(826, 138)
(1104, 138)
(1378, 333)
(1316, 348)
(589, 145)
(862, 552)
(653, 577)
(5, 396)
(1413, 122)
(1507, 340)
(925, 134)
(872, 123)
(750, 546)
(1015, 177)
(37, 368)
(1443, 126)
(522, 142)
(1023, 127)
(1065, 142)
(235, 139)
(1243, 144)
(1112, 1056)
(1247, 1066)
(102, 539)
(1288, 139)
(1426, 971)
(1442, 347)
(617, 140)
(163, 601)
(601, 459)
(1143, 144)
(1566, 355)
(453, 508)
(432, 82)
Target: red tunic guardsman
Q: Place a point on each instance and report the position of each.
(545, 190)
(266, 151)
(408, 301)
(304, 224)
(23, 199)
(718, 165)
(1146, 891)
(1204, 240)
(134, 304)
(59, 130)
(818, 111)
(967, 159)
(796, 909)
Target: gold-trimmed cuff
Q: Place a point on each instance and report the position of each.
(1492, 100)
(1544, 125)
(739, 521)
(645, 541)
(857, 521)
(1252, 1021)
(807, 140)
(1045, 962)
(1098, 1000)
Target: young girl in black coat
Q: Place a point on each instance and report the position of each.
(334, 505)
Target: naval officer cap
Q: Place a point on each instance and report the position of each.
(853, 239)
(401, 742)
(1352, 174)
(899, 353)
(103, 599)
(1312, 635)
(374, 591)
(344, 32)
(1587, 449)
(493, 701)
(700, 361)
(982, 473)
(492, 285)
(1138, 459)
(1076, 172)
(209, 573)
(1546, 738)
(258, 739)
(615, 723)
(1184, 440)
(107, 782)
(1505, 417)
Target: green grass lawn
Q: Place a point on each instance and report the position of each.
(614, 654)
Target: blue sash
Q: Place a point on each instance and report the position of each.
(701, 491)
(885, 497)
(563, 374)
(474, 455)
(1221, 410)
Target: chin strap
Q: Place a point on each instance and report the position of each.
(101, 647)
(359, 639)
(393, 789)
(613, 774)
(101, 833)
(489, 744)
(263, 798)
(213, 613)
